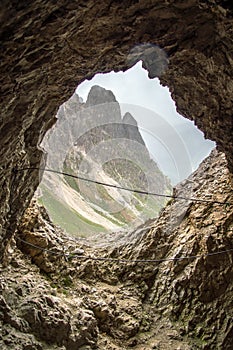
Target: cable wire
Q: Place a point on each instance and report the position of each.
(72, 255)
(124, 188)
(76, 255)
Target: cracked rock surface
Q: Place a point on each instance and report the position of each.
(48, 48)
(56, 301)
(54, 295)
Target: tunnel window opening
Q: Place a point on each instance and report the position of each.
(118, 130)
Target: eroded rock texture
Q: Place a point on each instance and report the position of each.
(47, 48)
(74, 301)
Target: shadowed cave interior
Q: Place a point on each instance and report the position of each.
(60, 294)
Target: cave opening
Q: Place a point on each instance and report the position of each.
(58, 296)
(119, 129)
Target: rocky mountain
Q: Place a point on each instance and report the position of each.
(54, 293)
(94, 141)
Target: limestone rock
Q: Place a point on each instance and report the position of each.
(47, 50)
(98, 96)
(182, 300)
(91, 142)
(194, 279)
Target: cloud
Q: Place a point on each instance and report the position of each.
(134, 88)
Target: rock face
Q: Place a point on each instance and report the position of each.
(191, 290)
(98, 96)
(47, 49)
(92, 141)
(66, 298)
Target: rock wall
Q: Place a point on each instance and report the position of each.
(47, 48)
(58, 295)
(195, 293)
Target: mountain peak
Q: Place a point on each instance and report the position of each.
(129, 119)
(98, 95)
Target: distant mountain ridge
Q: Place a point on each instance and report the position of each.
(100, 145)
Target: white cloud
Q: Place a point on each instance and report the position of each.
(134, 88)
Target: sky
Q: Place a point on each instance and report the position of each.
(174, 142)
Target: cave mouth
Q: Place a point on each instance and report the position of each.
(120, 129)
